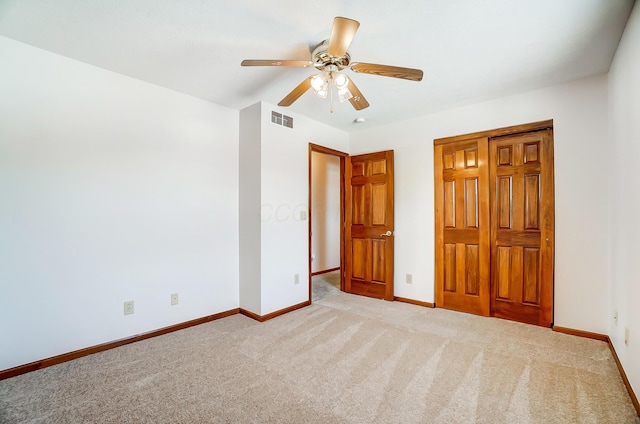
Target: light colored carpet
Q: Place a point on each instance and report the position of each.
(323, 285)
(344, 359)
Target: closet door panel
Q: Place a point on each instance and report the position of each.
(522, 209)
(462, 226)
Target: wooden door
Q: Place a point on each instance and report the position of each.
(462, 226)
(369, 225)
(522, 227)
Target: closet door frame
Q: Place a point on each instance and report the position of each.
(439, 214)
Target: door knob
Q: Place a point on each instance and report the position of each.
(387, 234)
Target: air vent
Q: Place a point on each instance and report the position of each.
(280, 119)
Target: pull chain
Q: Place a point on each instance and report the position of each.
(330, 92)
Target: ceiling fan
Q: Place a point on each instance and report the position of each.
(330, 58)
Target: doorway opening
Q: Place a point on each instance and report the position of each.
(366, 237)
(326, 221)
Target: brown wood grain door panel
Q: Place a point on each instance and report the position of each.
(369, 217)
(522, 227)
(462, 226)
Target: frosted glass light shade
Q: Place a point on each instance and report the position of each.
(318, 81)
(322, 93)
(340, 80)
(344, 94)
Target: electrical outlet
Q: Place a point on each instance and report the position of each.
(128, 307)
(296, 279)
(626, 336)
(174, 299)
(303, 215)
(409, 278)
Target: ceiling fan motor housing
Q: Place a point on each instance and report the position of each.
(322, 59)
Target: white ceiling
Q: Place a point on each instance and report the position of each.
(469, 50)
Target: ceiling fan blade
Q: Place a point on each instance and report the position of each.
(299, 63)
(388, 71)
(357, 101)
(342, 34)
(296, 92)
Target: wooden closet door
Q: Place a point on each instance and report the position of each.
(462, 226)
(522, 227)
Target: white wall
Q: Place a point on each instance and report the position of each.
(111, 189)
(285, 193)
(250, 186)
(325, 208)
(624, 142)
(579, 111)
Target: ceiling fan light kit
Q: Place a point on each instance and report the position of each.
(330, 58)
(324, 82)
